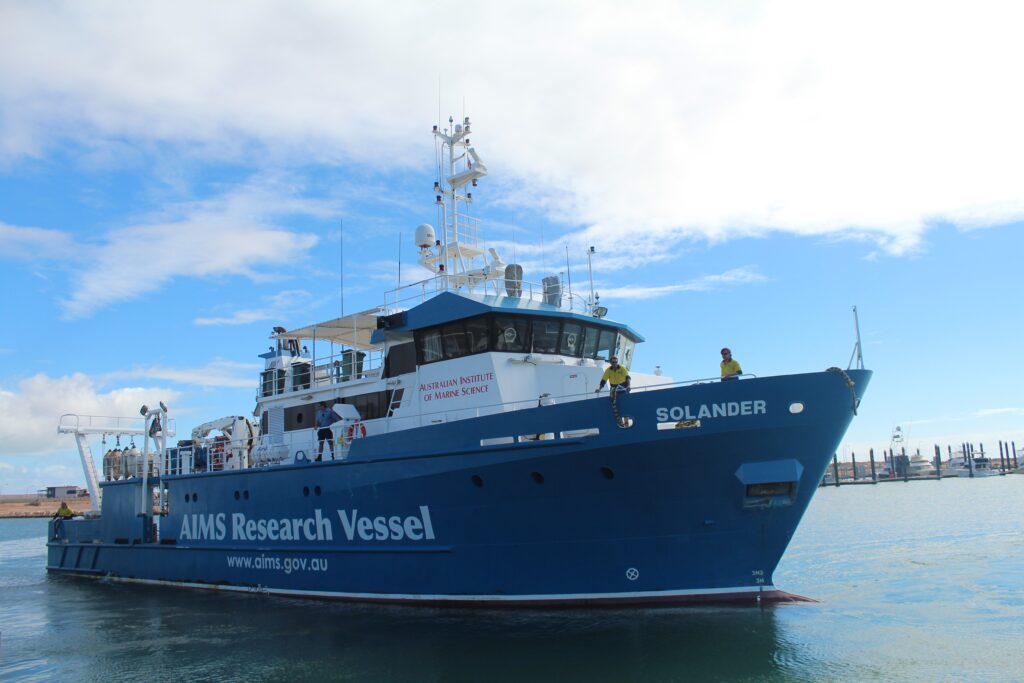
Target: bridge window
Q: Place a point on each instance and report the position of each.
(545, 335)
(606, 344)
(429, 346)
(511, 334)
(572, 340)
(520, 334)
(590, 335)
(625, 350)
(478, 335)
(455, 343)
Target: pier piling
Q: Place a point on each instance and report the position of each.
(938, 462)
(835, 467)
(874, 475)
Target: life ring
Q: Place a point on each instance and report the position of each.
(354, 432)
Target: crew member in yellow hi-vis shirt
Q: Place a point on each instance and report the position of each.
(617, 375)
(730, 367)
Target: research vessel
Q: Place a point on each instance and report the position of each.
(472, 458)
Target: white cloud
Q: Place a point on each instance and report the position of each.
(232, 234)
(217, 373)
(30, 413)
(277, 307)
(705, 120)
(224, 236)
(989, 412)
(35, 243)
(736, 276)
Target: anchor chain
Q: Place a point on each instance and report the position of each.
(852, 386)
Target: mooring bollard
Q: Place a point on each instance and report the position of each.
(835, 467)
(874, 475)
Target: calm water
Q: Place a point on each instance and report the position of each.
(918, 581)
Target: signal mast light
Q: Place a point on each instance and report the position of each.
(438, 199)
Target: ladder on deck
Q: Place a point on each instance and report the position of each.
(396, 400)
(89, 467)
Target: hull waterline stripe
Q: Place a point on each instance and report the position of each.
(749, 592)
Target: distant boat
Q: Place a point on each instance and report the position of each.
(920, 466)
(961, 466)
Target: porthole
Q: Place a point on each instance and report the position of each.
(305, 491)
(316, 490)
(245, 494)
(537, 477)
(237, 495)
(477, 481)
(195, 497)
(187, 498)
(607, 473)
(796, 408)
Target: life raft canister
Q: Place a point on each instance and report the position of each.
(356, 429)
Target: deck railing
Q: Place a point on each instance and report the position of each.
(416, 293)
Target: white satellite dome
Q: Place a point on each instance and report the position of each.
(425, 235)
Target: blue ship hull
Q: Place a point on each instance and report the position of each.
(701, 510)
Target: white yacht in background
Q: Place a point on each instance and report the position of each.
(962, 465)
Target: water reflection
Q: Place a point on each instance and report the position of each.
(126, 632)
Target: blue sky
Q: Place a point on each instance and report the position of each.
(174, 178)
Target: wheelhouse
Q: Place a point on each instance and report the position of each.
(524, 334)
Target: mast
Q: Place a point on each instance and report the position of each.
(459, 246)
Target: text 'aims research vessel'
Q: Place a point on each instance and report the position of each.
(470, 460)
